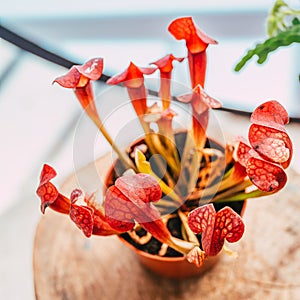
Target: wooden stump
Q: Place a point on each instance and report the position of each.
(69, 266)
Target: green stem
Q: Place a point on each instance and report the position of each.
(244, 196)
(127, 163)
(153, 150)
(169, 153)
(168, 139)
(190, 235)
(168, 191)
(181, 246)
(228, 184)
(236, 189)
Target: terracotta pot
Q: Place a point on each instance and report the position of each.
(172, 267)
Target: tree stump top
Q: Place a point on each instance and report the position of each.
(69, 266)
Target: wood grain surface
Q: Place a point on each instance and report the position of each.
(69, 266)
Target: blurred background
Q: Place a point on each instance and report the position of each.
(38, 119)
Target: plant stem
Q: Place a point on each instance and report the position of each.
(231, 191)
(244, 196)
(153, 150)
(190, 235)
(127, 163)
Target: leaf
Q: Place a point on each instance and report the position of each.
(242, 153)
(132, 77)
(185, 28)
(69, 80)
(92, 69)
(196, 256)
(47, 174)
(131, 199)
(139, 188)
(83, 217)
(101, 226)
(48, 193)
(144, 166)
(121, 212)
(118, 210)
(189, 168)
(271, 147)
(271, 144)
(270, 113)
(80, 75)
(295, 21)
(267, 134)
(267, 176)
(262, 50)
(165, 64)
(216, 227)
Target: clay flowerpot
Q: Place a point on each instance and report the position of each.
(171, 267)
(176, 267)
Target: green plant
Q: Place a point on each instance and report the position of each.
(283, 29)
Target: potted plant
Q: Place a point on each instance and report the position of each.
(174, 195)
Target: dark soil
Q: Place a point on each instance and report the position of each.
(153, 246)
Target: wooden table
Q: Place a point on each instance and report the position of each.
(69, 266)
